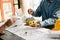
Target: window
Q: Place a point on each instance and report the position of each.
(17, 4)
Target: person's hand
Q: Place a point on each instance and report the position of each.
(37, 25)
(2, 31)
(30, 11)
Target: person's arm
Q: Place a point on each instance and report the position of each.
(51, 21)
(47, 22)
(37, 13)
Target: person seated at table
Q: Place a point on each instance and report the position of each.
(49, 10)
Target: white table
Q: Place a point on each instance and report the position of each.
(30, 33)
